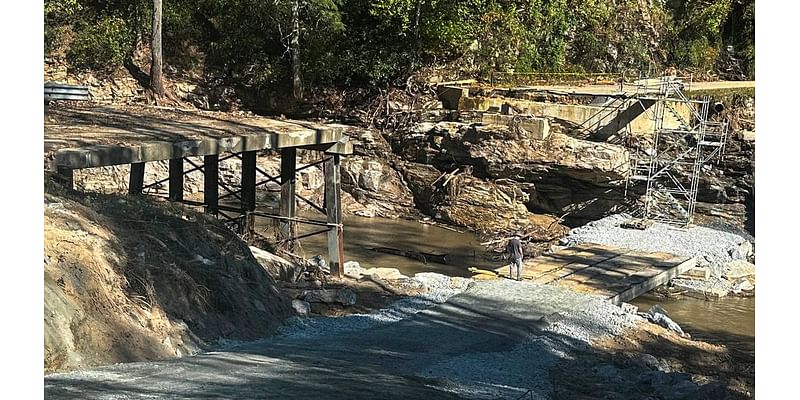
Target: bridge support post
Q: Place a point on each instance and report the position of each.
(211, 183)
(288, 198)
(333, 207)
(176, 179)
(248, 189)
(136, 182)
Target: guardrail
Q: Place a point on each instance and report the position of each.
(63, 91)
(550, 78)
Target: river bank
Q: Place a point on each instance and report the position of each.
(443, 337)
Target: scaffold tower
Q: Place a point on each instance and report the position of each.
(671, 166)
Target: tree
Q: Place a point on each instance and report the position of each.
(156, 79)
(297, 81)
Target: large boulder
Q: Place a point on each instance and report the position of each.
(499, 151)
(737, 269)
(420, 179)
(377, 186)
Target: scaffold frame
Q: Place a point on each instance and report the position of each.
(670, 190)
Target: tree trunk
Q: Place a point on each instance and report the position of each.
(156, 80)
(415, 31)
(297, 81)
(417, 12)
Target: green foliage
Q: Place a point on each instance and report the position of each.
(102, 45)
(57, 15)
(378, 42)
(501, 41)
(59, 11)
(696, 37)
(744, 34)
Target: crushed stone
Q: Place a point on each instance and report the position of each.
(712, 248)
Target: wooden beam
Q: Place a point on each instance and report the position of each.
(287, 206)
(136, 182)
(211, 183)
(176, 179)
(287, 135)
(333, 206)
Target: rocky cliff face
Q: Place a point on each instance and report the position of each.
(490, 208)
(558, 175)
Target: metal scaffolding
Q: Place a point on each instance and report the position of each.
(671, 166)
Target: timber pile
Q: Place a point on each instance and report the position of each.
(416, 255)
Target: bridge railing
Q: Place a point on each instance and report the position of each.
(497, 78)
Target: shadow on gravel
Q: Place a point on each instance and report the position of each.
(241, 376)
(492, 343)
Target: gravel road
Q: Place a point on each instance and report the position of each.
(496, 339)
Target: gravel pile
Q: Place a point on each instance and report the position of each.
(302, 327)
(597, 319)
(711, 247)
(441, 287)
(521, 372)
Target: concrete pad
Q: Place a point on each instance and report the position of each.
(614, 273)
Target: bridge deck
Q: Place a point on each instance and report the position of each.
(617, 274)
(93, 136)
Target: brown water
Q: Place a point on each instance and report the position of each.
(729, 321)
(362, 234)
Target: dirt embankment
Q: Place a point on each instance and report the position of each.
(649, 361)
(130, 279)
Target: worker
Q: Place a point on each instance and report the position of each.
(514, 250)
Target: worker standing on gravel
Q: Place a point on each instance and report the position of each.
(514, 250)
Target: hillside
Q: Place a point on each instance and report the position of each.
(132, 279)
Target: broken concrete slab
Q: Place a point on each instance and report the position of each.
(737, 269)
(536, 128)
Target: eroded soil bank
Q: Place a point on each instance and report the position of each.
(131, 279)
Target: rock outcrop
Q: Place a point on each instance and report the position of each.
(560, 175)
(420, 179)
(378, 187)
(490, 208)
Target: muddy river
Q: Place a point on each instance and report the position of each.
(730, 321)
(361, 235)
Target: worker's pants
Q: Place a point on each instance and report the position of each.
(515, 268)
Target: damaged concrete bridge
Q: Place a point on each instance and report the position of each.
(98, 136)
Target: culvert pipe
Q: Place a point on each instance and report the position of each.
(719, 107)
